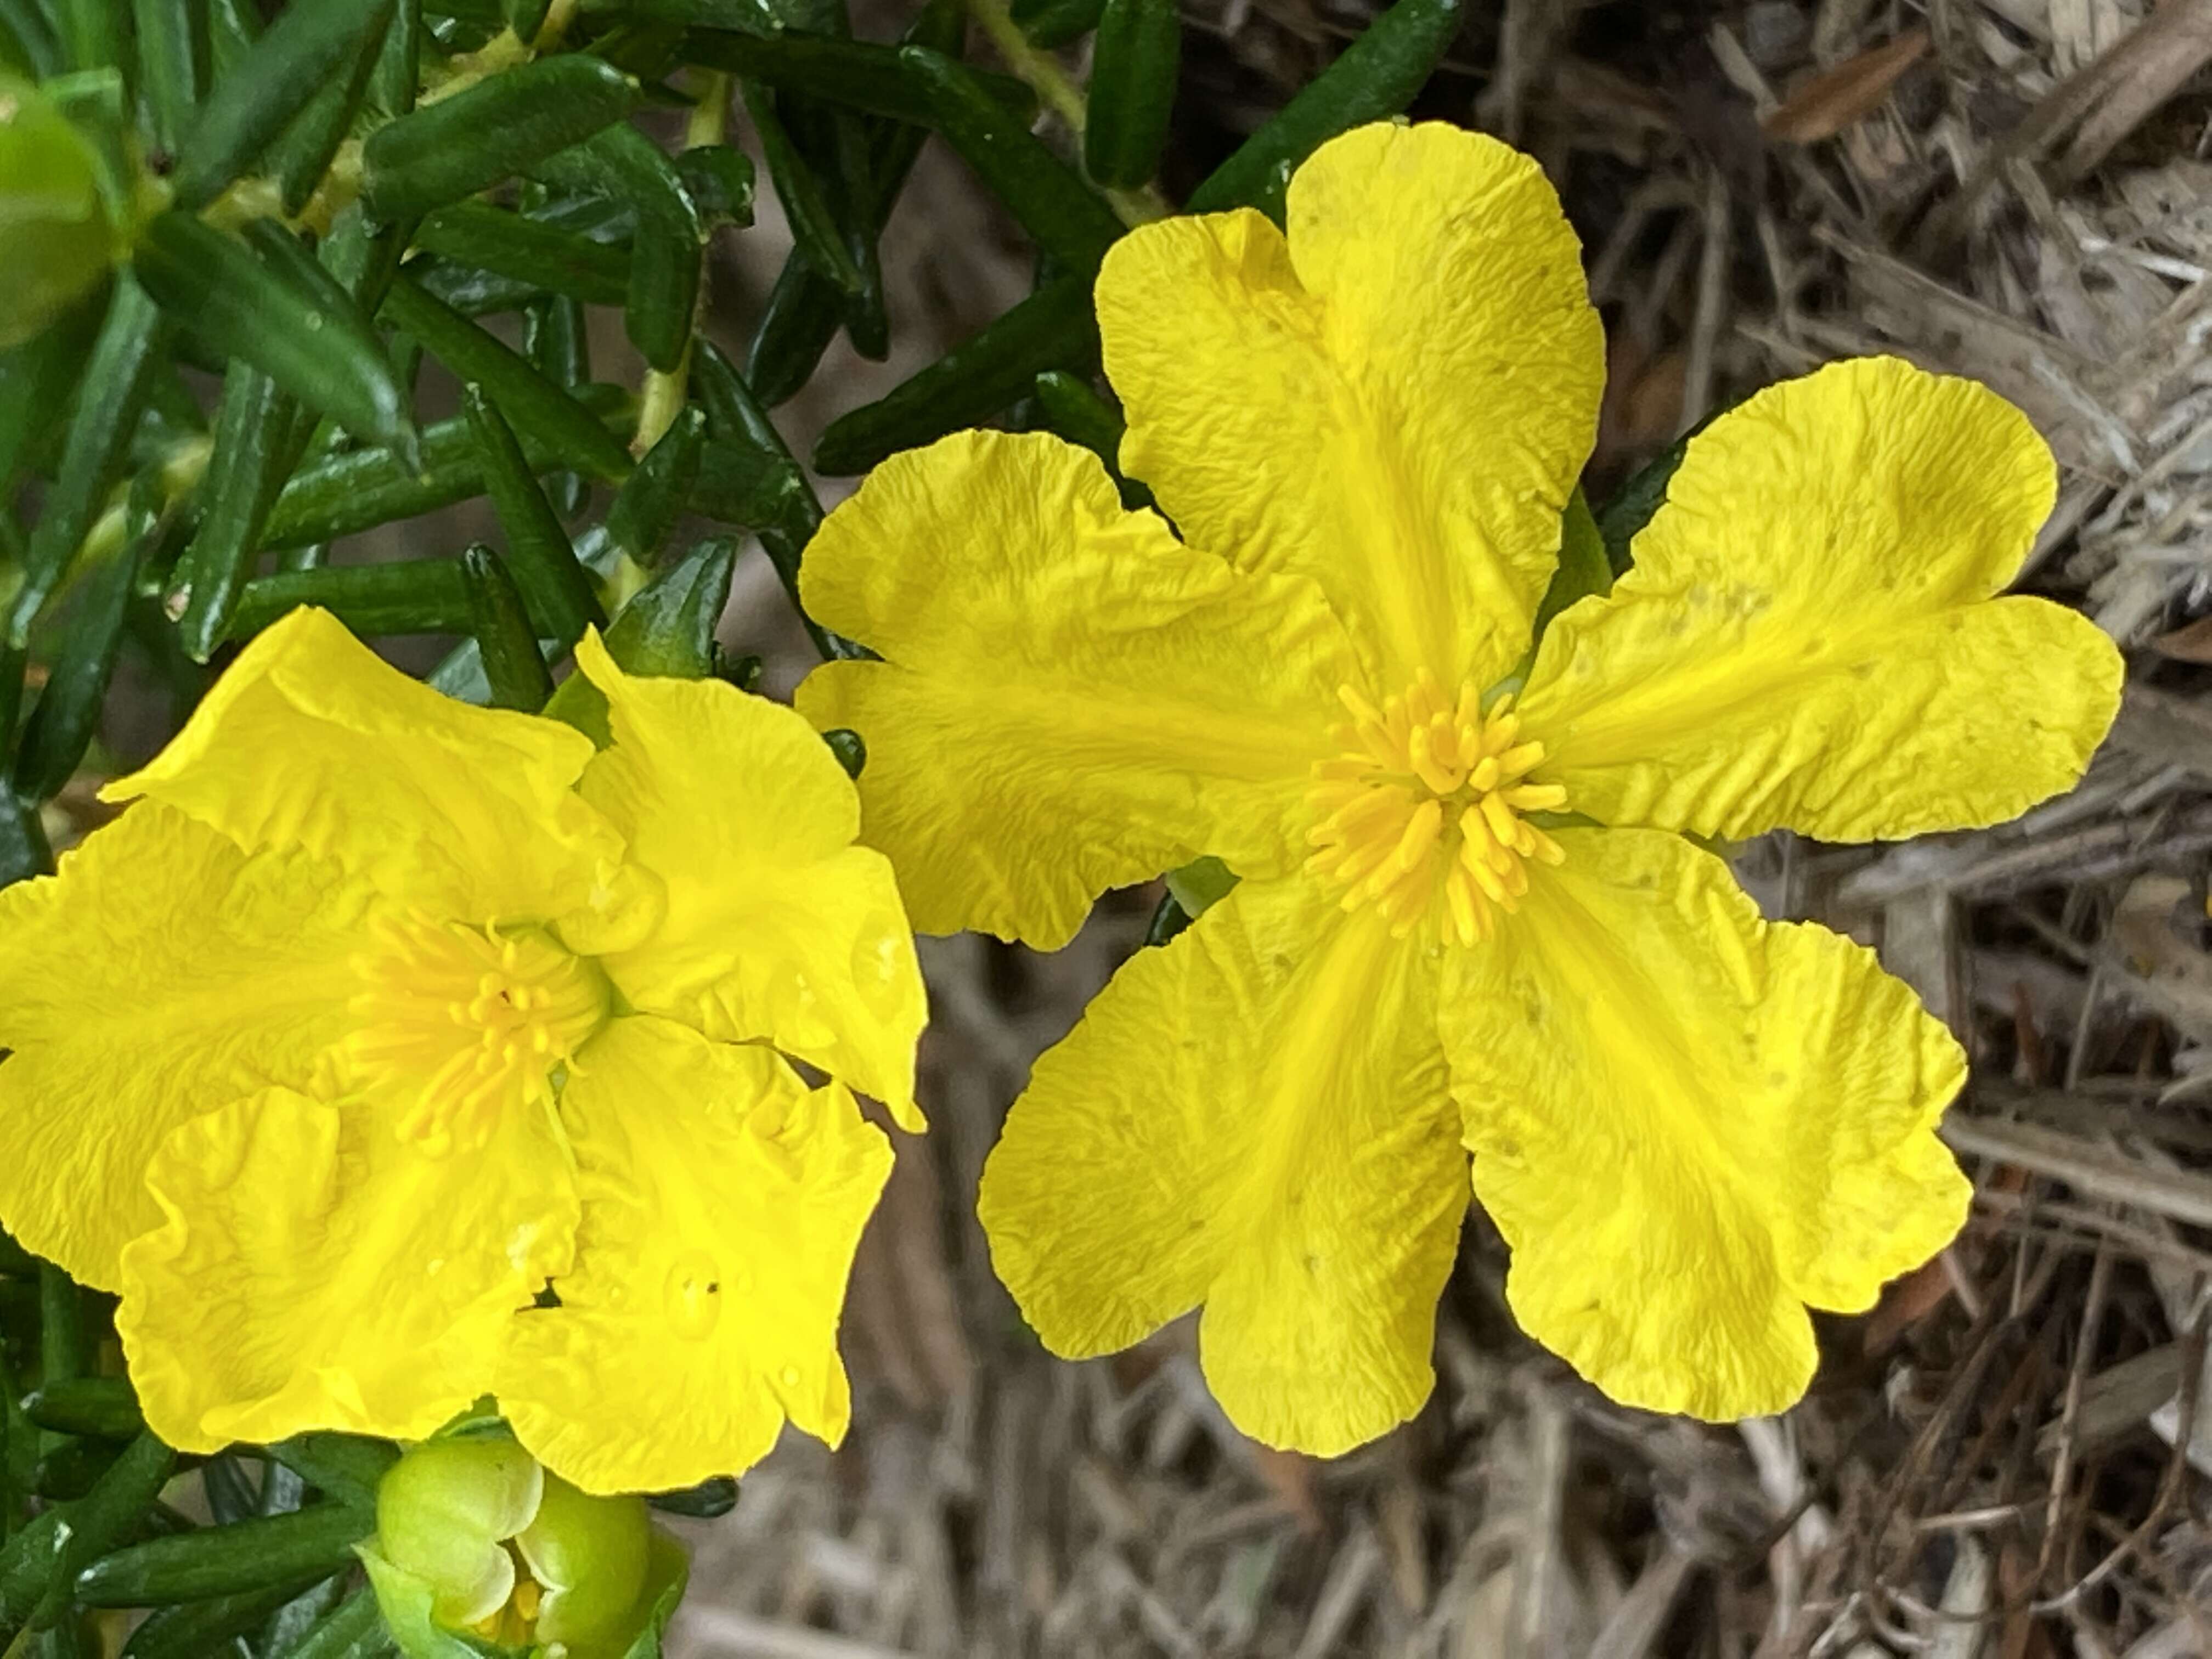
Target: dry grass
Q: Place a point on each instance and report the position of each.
(2012, 189)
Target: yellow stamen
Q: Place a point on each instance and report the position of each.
(1420, 815)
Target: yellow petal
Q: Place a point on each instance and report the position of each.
(775, 927)
(160, 974)
(312, 741)
(1809, 637)
(723, 1200)
(1256, 1117)
(314, 1271)
(1689, 1123)
(1396, 403)
(1071, 701)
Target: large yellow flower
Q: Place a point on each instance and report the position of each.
(1466, 923)
(377, 1011)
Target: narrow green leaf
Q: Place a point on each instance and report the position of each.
(1377, 78)
(473, 293)
(545, 256)
(108, 407)
(232, 28)
(1053, 328)
(199, 1629)
(747, 17)
(290, 1623)
(253, 451)
(1079, 415)
(346, 1467)
(39, 380)
(301, 153)
(849, 747)
(310, 42)
(710, 1500)
(23, 853)
(103, 1407)
(555, 338)
(623, 163)
(90, 32)
(646, 508)
(532, 404)
(1633, 506)
(803, 313)
(1583, 567)
(855, 74)
(264, 1552)
(393, 81)
(358, 490)
(229, 1492)
(354, 1631)
(490, 131)
(668, 626)
(68, 711)
(173, 62)
(1068, 221)
(97, 1522)
(1133, 69)
(407, 596)
(719, 178)
(1051, 24)
(507, 641)
(814, 228)
(562, 603)
(525, 17)
(33, 31)
(317, 346)
(852, 203)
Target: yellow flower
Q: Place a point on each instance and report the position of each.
(377, 1010)
(1466, 923)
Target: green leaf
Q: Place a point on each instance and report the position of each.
(68, 712)
(254, 449)
(358, 490)
(1053, 328)
(1051, 24)
(108, 407)
(354, 1631)
(232, 28)
(646, 508)
(1583, 569)
(814, 229)
(270, 311)
(1637, 500)
(668, 626)
(95, 1524)
(23, 849)
(849, 747)
(172, 67)
(1068, 221)
(719, 178)
(37, 380)
(406, 596)
(105, 1407)
(490, 131)
(90, 32)
(856, 74)
(1133, 68)
(507, 642)
(199, 1629)
(393, 81)
(560, 597)
(302, 152)
(347, 1468)
(1377, 78)
(710, 1500)
(310, 42)
(271, 1552)
(27, 23)
(622, 163)
(532, 404)
(544, 256)
(555, 338)
(1079, 415)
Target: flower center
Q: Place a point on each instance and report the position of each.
(468, 1022)
(1427, 797)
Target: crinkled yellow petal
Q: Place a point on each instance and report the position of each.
(1071, 700)
(1689, 1123)
(723, 1200)
(312, 741)
(314, 1270)
(1256, 1117)
(160, 974)
(777, 926)
(1809, 637)
(1396, 403)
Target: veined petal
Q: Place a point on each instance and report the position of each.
(777, 926)
(1395, 402)
(1070, 699)
(1809, 637)
(314, 1270)
(1689, 1123)
(1256, 1117)
(723, 1200)
(160, 974)
(310, 741)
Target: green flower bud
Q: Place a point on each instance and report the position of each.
(475, 1540)
(55, 238)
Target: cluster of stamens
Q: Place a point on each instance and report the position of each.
(465, 1024)
(1427, 797)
